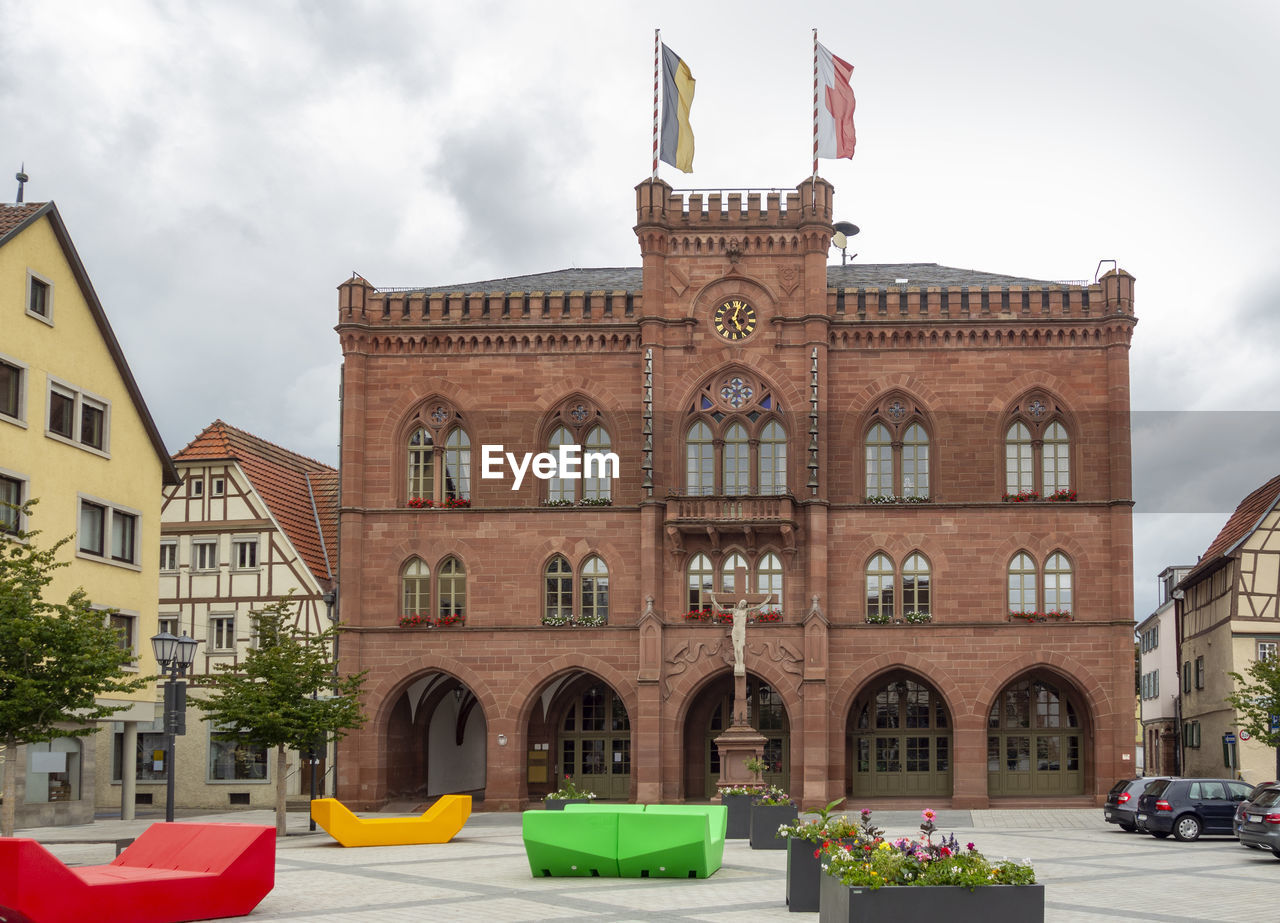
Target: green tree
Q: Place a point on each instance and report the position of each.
(56, 659)
(1257, 697)
(285, 692)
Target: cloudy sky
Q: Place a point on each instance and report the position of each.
(223, 166)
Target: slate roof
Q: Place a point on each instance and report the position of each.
(297, 490)
(628, 279)
(1247, 517)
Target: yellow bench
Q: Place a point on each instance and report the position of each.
(439, 824)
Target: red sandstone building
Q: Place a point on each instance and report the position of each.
(843, 437)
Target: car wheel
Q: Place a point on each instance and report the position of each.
(1187, 828)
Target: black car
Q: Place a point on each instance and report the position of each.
(1189, 807)
(1122, 801)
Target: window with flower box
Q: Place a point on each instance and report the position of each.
(889, 601)
(451, 592)
(438, 458)
(896, 451)
(1040, 596)
(1037, 451)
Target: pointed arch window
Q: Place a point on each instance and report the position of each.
(1017, 460)
(773, 459)
(735, 444)
(699, 582)
(737, 461)
(728, 572)
(916, 588)
(879, 454)
(422, 464)
(559, 489)
(595, 590)
(880, 589)
(452, 590)
(769, 580)
(415, 582)
(558, 579)
(1022, 583)
(915, 462)
(598, 486)
(457, 465)
(1057, 583)
(1056, 459)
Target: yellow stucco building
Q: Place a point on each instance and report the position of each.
(76, 435)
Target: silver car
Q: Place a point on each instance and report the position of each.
(1260, 826)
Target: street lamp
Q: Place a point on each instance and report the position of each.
(174, 656)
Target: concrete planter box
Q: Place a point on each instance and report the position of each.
(739, 816)
(804, 875)
(557, 804)
(765, 821)
(840, 903)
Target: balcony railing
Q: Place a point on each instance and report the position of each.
(776, 508)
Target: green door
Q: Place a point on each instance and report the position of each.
(901, 741)
(1034, 741)
(595, 743)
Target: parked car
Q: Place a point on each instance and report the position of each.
(1244, 807)
(1260, 828)
(1122, 801)
(1189, 807)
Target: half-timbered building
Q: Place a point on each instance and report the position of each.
(250, 523)
(924, 469)
(1228, 617)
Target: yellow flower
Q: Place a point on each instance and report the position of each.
(884, 845)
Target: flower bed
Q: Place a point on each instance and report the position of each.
(568, 793)
(1052, 615)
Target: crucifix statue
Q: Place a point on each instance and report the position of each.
(740, 741)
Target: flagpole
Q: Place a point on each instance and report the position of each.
(657, 54)
(815, 104)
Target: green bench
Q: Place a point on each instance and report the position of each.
(626, 840)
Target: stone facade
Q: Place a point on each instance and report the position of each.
(875, 507)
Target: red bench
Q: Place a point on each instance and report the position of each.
(171, 874)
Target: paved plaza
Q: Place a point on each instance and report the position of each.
(1092, 872)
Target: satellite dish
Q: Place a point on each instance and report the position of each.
(839, 240)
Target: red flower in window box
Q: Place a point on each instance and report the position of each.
(698, 615)
(417, 503)
(455, 503)
(1062, 496)
(451, 619)
(414, 620)
(768, 617)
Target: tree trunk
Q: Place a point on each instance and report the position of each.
(8, 812)
(281, 781)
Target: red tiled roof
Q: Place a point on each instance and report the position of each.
(297, 490)
(1242, 522)
(12, 216)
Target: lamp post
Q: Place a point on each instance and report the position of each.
(174, 656)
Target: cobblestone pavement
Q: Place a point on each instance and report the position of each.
(1093, 872)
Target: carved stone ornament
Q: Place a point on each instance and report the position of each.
(789, 278)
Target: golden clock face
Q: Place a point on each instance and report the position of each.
(735, 319)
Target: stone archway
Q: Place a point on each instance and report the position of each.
(710, 713)
(436, 740)
(1036, 731)
(899, 739)
(580, 728)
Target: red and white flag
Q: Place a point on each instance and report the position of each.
(833, 106)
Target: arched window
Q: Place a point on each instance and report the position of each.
(879, 455)
(457, 465)
(558, 578)
(728, 570)
(769, 580)
(699, 460)
(1056, 467)
(773, 459)
(452, 589)
(559, 489)
(599, 486)
(595, 590)
(915, 462)
(422, 465)
(1017, 460)
(415, 579)
(700, 576)
(737, 460)
(916, 590)
(1022, 583)
(1057, 583)
(880, 589)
